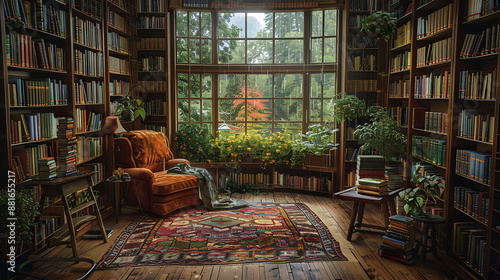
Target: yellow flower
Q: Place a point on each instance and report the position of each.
(279, 146)
(229, 141)
(249, 149)
(209, 160)
(263, 146)
(289, 142)
(268, 154)
(270, 142)
(263, 160)
(239, 160)
(278, 151)
(229, 148)
(239, 146)
(261, 142)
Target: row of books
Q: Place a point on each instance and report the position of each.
(150, 6)
(156, 86)
(24, 161)
(351, 154)
(33, 127)
(151, 44)
(311, 183)
(360, 41)
(400, 114)
(87, 33)
(152, 63)
(436, 52)
(403, 35)
(37, 15)
(474, 203)
(88, 148)
(118, 43)
(86, 120)
(47, 168)
(261, 179)
(469, 244)
(118, 65)
(119, 3)
(90, 7)
(477, 84)
(37, 92)
(91, 92)
(429, 149)
(24, 51)
(478, 8)
(361, 85)
(356, 20)
(397, 243)
(435, 22)
(434, 85)
(88, 63)
(482, 43)
(399, 88)
(365, 62)
(473, 124)
(155, 107)
(474, 165)
(119, 87)
(430, 121)
(156, 127)
(151, 22)
(401, 62)
(364, 5)
(399, 13)
(117, 21)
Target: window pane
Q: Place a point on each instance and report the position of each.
(328, 110)
(293, 128)
(206, 51)
(331, 23)
(288, 85)
(182, 85)
(194, 24)
(231, 51)
(317, 50)
(231, 25)
(260, 86)
(317, 23)
(289, 25)
(315, 114)
(260, 51)
(288, 110)
(289, 51)
(227, 112)
(194, 50)
(260, 25)
(330, 49)
(183, 110)
(195, 85)
(207, 110)
(262, 128)
(195, 110)
(181, 23)
(206, 85)
(231, 85)
(206, 25)
(259, 109)
(329, 85)
(316, 85)
(182, 50)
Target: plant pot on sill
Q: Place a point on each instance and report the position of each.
(324, 160)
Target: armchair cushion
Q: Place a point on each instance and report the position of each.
(149, 149)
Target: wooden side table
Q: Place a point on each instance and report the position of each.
(118, 184)
(64, 187)
(430, 221)
(358, 209)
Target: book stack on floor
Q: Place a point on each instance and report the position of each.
(370, 166)
(373, 186)
(67, 146)
(47, 169)
(399, 239)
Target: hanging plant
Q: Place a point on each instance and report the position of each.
(348, 107)
(383, 24)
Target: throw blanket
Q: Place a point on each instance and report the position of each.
(208, 191)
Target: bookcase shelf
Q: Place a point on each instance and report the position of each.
(87, 76)
(429, 131)
(433, 5)
(445, 33)
(121, 54)
(404, 47)
(34, 70)
(429, 162)
(117, 8)
(83, 15)
(483, 19)
(473, 180)
(38, 106)
(85, 47)
(118, 30)
(33, 142)
(473, 140)
(41, 33)
(436, 65)
(480, 57)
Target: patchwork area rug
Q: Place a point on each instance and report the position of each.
(262, 232)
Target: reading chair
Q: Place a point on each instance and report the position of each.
(146, 156)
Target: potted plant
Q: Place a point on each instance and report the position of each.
(318, 142)
(129, 108)
(195, 143)
(426, 187)
(348, 107)
(380, 25)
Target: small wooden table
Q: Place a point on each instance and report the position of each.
(430, 221)
(358, 209)
(118, 198)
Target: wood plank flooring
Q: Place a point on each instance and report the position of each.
(363, 261)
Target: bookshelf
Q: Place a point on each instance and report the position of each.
(449, 95)
(364, 59)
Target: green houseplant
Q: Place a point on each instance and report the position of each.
(195, 143)
(317, 143)
(382, 24)
(425, 187)
(129, 108)
(348, 107)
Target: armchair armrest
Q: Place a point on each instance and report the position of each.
(143, 174)
(173, 162)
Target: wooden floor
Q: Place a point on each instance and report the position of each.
(363, 261)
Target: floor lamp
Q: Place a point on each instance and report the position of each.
(112, 126)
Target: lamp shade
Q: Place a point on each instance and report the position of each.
(112, 126)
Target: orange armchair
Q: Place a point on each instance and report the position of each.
(144, 154)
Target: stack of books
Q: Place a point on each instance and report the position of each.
(373, 186)
(399, 239)
(394, 177)
(47, 169)
(67, 146)
(370, 166)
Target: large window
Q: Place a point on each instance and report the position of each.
(257, 71)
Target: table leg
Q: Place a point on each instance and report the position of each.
(385, 212)
(392, 206)
(71, 226)
(353, 218)
(137, 195)
(361, 211)
(117, 199)
(423, 241)
(433, 240)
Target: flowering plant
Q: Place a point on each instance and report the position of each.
(195, 143)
